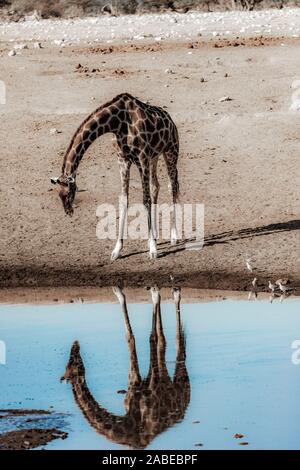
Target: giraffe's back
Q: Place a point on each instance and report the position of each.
(150, 128)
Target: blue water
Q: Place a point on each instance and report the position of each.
(238, 357)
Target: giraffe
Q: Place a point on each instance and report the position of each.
(152, 404)
(142, 133)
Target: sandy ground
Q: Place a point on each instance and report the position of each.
(240, 158)
(84, 294)
(29, 438)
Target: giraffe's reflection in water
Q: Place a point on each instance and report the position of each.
(152, 404)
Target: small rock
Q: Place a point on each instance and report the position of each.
(54, 131)
(225, 98)
(122, 392)
(12, 53)
(238, 436)
(34, 17)
(37, 45)
(20, 47)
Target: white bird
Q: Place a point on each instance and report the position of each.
(284, 282)
(284, 289)
(272, 286)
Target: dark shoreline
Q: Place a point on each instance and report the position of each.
(70, 277)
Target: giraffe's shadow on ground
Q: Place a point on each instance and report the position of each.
(164, 248)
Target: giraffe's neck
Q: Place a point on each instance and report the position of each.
(102, 121)
(97, 416)
(121, 429)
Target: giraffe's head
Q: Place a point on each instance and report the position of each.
(67, 192)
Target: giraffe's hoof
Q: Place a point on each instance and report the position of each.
(117, 290)
(115, 255)
(174, 237)
(176, 294)
(155, 294)
(153, 249)
(118, 293)
(153, 254)
(116, 251)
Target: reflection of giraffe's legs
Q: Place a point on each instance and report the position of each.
(180, 372)
(154, 190)
(125, 175)
(134, 374)
(171, 157)
(161, 340)
(177, 298)
(153, 375)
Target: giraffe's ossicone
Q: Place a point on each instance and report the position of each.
(143, 132)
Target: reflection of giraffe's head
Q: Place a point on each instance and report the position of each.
(67, 192)
(75, 369)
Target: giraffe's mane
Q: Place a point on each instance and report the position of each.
(89, 117)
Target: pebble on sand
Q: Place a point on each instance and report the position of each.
(54, 131)
(20, 47)
(225, 98)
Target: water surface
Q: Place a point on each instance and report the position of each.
(237, 358)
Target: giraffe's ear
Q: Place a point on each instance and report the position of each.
(54, 180)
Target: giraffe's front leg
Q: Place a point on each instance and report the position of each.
(123, 212)
(115, 254)
(124, 166)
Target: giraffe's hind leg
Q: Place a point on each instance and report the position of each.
(154, 190)
(171, 157)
